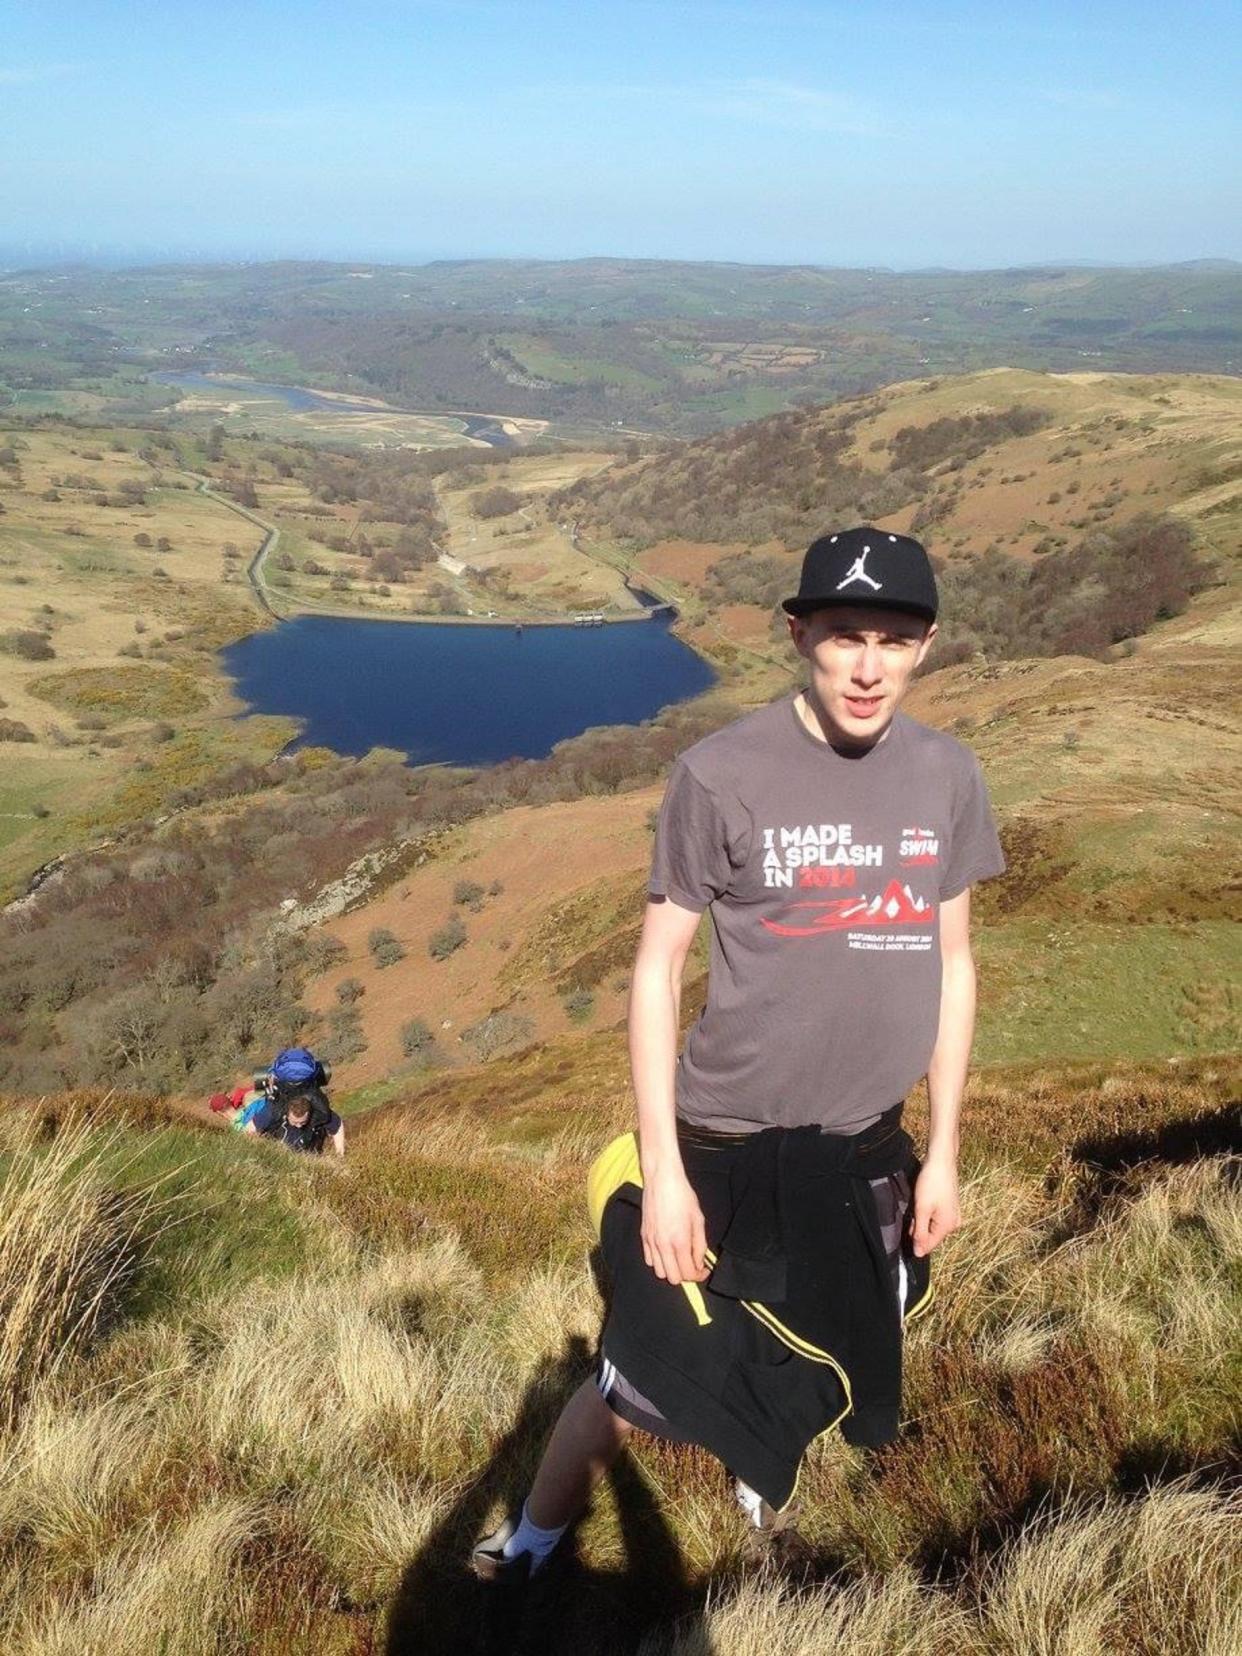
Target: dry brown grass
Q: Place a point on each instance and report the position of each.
(67, 1247)
(277, 1469)
(1159, 1575)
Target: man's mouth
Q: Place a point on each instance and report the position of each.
(862, 707)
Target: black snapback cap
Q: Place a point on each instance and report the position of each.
(866, 566)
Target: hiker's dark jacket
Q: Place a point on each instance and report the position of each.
(798, 1328)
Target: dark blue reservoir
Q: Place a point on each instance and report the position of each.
(464, 695)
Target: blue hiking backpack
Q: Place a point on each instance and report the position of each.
(295, 1069)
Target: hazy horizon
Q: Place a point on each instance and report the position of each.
(715, 130)
(15, 260)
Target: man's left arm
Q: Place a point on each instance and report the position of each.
(936, 1209)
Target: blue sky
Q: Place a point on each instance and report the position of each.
(902, 134)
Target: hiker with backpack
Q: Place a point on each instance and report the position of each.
(303, 1121)
(768, 1228)
(296, 1111)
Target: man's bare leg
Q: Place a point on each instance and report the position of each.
(585, 1441)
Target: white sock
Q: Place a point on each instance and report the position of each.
(750, 1501)
(529, 1538)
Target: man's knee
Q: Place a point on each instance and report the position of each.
(620, 1425)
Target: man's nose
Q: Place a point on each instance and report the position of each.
(868, 667)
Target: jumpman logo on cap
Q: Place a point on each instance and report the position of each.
(858, 572)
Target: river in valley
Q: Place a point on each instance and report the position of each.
(301, 399)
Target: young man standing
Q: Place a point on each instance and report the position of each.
(769, 1230)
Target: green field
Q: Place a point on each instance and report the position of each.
(541, 359)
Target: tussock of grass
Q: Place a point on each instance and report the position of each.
(68, 1477)
(67, 1247)
(896, 1618)
(181, 1592)
(1159, 1575)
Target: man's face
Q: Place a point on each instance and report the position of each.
(861, 660)
(299, 1115)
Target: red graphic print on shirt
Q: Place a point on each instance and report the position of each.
(896, 905)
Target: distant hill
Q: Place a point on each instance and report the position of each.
(1003, 465)
(591, 344)
(939, 451)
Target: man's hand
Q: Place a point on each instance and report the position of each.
(936, 1210)
(674, 1235)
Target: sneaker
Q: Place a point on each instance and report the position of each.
(772, 1522)
(489, 1563)
(761, 1515)
(776, 1543)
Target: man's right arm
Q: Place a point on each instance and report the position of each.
(673, 1233)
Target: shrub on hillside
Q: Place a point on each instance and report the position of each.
(322, 950)
(469, 893)
(345, 1039)
(497, 1032)
(961, 438)
(417, 1039)
(27, 645)
(579, 1004)
(13, 730)
(744, 578)
(449, 938)
(497, 501)
(386, 948)
(349, 990)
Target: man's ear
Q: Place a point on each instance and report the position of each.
(926, 645)
(799, 632)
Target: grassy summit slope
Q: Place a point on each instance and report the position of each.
(253, 1404)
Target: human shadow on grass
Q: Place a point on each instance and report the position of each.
(1216, 1132)
(1111, 1163)
(440, 1607)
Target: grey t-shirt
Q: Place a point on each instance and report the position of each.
(824, 874)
